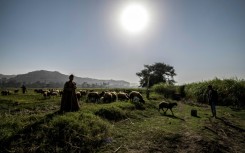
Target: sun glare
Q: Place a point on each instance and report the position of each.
(134, 18)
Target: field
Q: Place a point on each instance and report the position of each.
(31, 123)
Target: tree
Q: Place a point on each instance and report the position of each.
(156, 73)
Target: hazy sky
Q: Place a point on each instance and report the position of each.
(201, 39)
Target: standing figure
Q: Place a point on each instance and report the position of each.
(23, 87)
(212, 99)
(69, 102)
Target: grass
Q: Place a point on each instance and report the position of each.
(30, 123)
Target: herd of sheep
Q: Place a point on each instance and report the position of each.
(90, 95)
(99, 97)
(8, 92)
(111, 96)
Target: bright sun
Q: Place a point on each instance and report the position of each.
(134, 18)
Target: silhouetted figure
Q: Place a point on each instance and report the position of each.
(23, 87)
(212, 99)
(69, 102)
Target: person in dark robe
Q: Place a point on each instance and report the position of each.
(23, 87)
(212, 99)
(69, 101)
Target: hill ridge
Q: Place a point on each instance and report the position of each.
(45, 76)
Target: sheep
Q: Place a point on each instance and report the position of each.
(5, 92)
(114, 96)
(167, 105)
(61, 92)
(83, 92)
(16, 90)
(93, 97)
(107, 97)
(54, 93)
(78, 95)
(134, 94)
(101, 99)
(38, 90)
(46, 94)
(122, 96)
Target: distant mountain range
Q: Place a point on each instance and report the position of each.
(54, 77)
(6, 76)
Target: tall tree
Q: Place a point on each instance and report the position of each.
(156, 73)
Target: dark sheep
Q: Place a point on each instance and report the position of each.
(136, 95)
(38, 90)
(5, 92)
(61, 92)
(167, 105)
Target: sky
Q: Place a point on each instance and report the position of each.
(201, 39)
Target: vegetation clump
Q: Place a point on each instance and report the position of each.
(74, 132)
(111, 113)
(167, 90)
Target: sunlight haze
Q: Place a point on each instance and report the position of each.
(134, 18)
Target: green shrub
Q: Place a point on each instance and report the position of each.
(196, 92)
(165, 89)
(111, 113)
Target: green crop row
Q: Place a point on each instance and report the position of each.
(231, 92)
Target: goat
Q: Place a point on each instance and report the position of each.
(167, 105)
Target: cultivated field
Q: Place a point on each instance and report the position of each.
(31, 123)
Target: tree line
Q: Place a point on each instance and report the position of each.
(13, 84)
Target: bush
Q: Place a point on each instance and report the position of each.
(196, 92)
(165, 89)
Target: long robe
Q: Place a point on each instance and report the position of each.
(69, 101)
